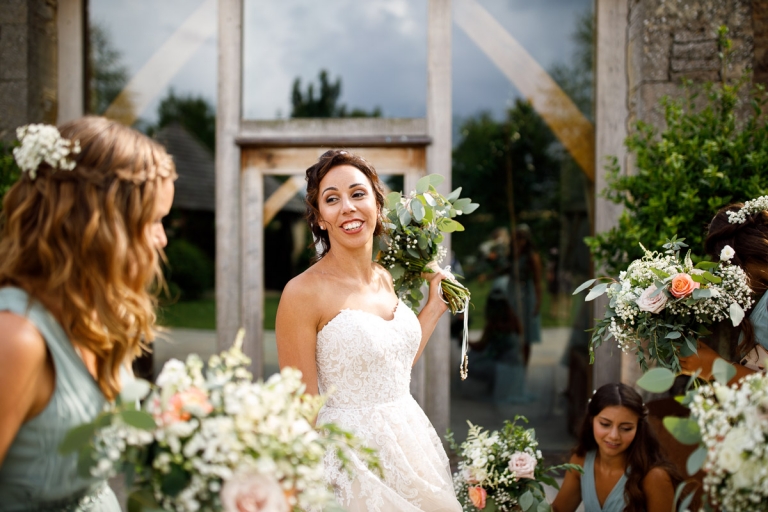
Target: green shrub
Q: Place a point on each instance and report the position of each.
(705, 158)
(189, 270)
(9, 171)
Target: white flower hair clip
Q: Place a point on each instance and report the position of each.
(727, 254)
(755, 205)
(43, 143)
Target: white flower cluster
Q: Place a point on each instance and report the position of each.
(43, 143)
(734, 425)
(639, 308)
(229, 436)
(755, 205)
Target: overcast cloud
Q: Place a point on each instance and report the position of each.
(377, 47)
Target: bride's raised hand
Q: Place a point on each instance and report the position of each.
(434, 277)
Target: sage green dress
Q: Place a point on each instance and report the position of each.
(615, 500)
(34, 476)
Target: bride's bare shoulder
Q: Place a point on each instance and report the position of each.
(303, 287)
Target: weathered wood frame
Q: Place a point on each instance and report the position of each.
(247, 150)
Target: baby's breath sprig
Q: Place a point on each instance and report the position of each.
(43, 143)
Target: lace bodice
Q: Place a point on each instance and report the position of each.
(364, 360)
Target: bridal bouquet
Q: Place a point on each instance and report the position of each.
(663, 302)
(215, 440)
(415, 225)
(501, 470)
(734, 430)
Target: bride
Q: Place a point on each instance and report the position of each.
(342, 325)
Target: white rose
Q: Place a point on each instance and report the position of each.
(723, 394)
(253, 492)
(651, 304)
(522, 465)
(729, 459)
(747, 476)
(727, 253)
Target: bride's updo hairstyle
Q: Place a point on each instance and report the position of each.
(80, 241)
(749, 241)
(316, 173)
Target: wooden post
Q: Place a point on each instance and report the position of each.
(611, 129)
(71, 27)
(438, 351)
(228, 272)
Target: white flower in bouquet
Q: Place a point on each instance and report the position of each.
(727, 253)
(651, 304)
(252, 491)
(522, 465)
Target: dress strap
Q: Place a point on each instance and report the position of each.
(588, 491)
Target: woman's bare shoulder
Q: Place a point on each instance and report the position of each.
(21, 344)
(385, 278)
(656, 476)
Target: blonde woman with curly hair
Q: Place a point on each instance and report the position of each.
(79, 253)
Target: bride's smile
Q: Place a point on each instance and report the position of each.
(347, 206)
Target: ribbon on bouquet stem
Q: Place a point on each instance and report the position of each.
(464, 362)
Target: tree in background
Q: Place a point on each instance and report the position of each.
(107, 75)
(326, 104)
(194, 113)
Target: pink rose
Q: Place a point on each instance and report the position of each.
(253, 492)
(477, 495)
(652, 304)
(682, 285)
(522, 465)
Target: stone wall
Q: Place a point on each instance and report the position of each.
(671, 40)
(28, 64)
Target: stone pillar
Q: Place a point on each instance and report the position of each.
(28, 64)
(760, 29)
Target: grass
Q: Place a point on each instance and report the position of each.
(201, 314)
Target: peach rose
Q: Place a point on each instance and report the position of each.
(478, 495)
(253, 492)
(682, 285)
(183, 404)
(522, 465)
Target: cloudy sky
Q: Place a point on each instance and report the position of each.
(377, 47)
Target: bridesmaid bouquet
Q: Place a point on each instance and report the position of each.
(663, 302)
(215, 441)
(415, 225)
(502, 470)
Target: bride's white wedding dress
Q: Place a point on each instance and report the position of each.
(364, 362)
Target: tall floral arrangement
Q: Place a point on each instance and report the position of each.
(662, 303)
(502, 470)
(215, 440)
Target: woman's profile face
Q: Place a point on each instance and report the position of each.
(163, 202)
(615, 428)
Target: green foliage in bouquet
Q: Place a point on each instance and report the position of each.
(415, 225)
(705, 158)
(502, 470)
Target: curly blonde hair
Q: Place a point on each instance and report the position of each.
(79, 241)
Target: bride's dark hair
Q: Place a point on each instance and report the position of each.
(643, 454)
(315, 174)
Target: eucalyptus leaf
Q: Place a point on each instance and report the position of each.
(712, 278)
(471, 207)
(657, 380)
(454, 195)
(685, 430)
(696, 460)
(413, 253)
(461, 204)
(139, 419)
(705, 265)
(736, 313)
(543, 506)
(673, 335)
(526, 500)
(583, 286)
(397, 271)
(723, 371)
(85, 461)
(687, 501)
(77, 438)
(429, 198)
(422, 185)
(659, 273)
(449, 225)
(404, 216)
(436, 179)
(418, 210)
(393, 199)
(596, 291)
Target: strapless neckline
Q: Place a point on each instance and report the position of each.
(360, 311)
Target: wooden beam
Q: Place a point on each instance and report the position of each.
(71, 94)
(325, 141)
(437, 354)
(575, 132)
(281, 196)
(228, 272)
(295, 160)
(611, 115)
(339, 127)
